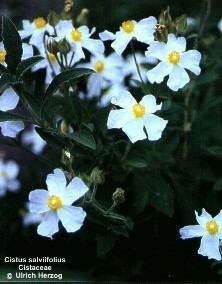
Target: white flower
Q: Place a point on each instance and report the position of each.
(135, 116)
(8, 173)
(219, 25)
(173, 61)
(141, 31)
(31, 218)
(108, 71)
(8, 101)
(56, 203)
(36, 30)
(210, 229)
(32, 138)
(27, 51)
(112, 92)
(79, 38)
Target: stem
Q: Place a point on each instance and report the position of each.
(111, 208)
(137, 65)
(187, 113)
(202, 26)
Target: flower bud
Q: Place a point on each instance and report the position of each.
(66, 128)
(64, 46)
(165, 18)
(67, 11)
(181, 23)
(53, 18)
(81, 19)
(118, 195)
(52, 46)
(161, 33)
(97, 176)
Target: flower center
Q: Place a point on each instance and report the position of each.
(2, 56)
(4, 174)
(212, 227)
(99, 66)
(51, 57)
(54, 202)
(174, 57)
(128, 26)
(39, 23)
(76, 35)
(138, 110)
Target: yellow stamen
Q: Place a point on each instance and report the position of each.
(138, 110)
(2, 56)
(39, 23)
(54, 202)
(128, 26)
(99, 66)
(174, 57)
(76, 35)
(212, 227)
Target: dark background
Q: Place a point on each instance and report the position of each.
(154, 250)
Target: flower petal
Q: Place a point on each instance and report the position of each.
(13, 185)
(8, 100)
(121, 42)
(177, 44)
(106, 35)
(95, 46)
(144, 30)
(56, 182)
(11, 128)
(149, 101)
(203, 218)
(218, 220)
(38, 199)
(157, 50)
(94, 85)
(75, 189)
(49, 225)
(134, 130)
(193, 231)
(178, 78)
(118, 118)
(124, 100)
(154, 126)
(191, 60)
(209, 247)
(158, 73)
(71, 217)
(12, 169)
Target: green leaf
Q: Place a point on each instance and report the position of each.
(215, 151)
(49, 137)
(8, 116)
(156, 192)
(135, 163)
(64, 77)
(5, 80)
(12, 43)
(27, 64)
(139, 204)
(83, 137)
(105, 243)
(218, 185)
